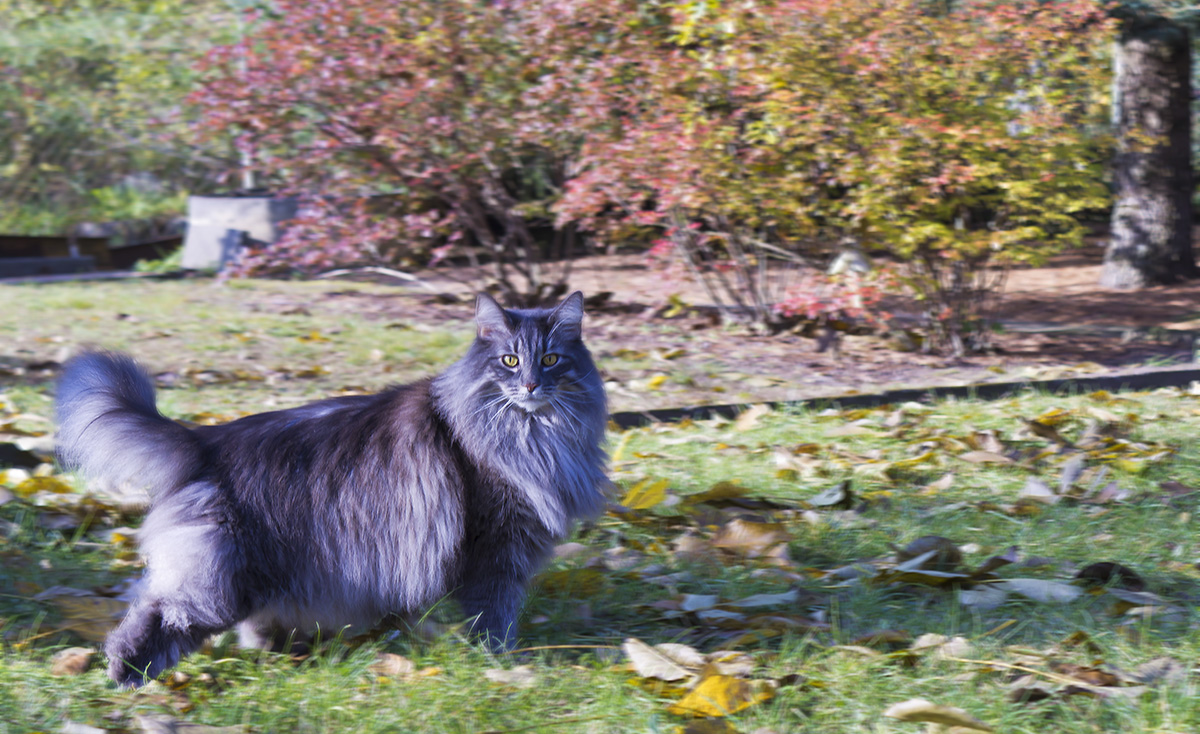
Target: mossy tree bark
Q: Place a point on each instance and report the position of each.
(1151, 237)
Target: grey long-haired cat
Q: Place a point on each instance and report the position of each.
(347, 510)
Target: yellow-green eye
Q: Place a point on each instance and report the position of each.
(550, 360)
(509, 360)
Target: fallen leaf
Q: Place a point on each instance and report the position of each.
(521, 676)
(72, 661)
(698, 602)
(646, 494)
(752, 539)
(918, 709)
(1159, 670)
(946, 555)
(1038, 491)
(1085, 674)
(984, 597)
(652, 663)
(765, 600)
(749, 418)
(941, 646)
(839, 495)
(721, 695)
(392, 665)
(985, 457)
(1107, 573)
(707, 726)
(1049, 592)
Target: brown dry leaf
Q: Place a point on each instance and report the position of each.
(750, 417)
(650, 662)
(918, 709)
(72, 661)
(1107, 573)
(1048, 432)
(521, 676)
(749, 538)
(392, 665)
(721, 695)
(1084, 674)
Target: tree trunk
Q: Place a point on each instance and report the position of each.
(1151, 237)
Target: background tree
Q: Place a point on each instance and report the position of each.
(91, 117)
(1151, 233)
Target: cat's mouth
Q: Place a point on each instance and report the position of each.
(530, 403)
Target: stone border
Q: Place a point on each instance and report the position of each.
(984, 391)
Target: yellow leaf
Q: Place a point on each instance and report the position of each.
(33, 485)
(646, 494)
(657, 381)
(721, 695)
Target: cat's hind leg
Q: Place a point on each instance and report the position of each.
(187, 593)
(144, 645)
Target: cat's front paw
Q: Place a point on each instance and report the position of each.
(124, 674)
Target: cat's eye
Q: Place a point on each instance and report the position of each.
(550, 360)
(509, 360)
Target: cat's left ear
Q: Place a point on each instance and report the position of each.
(490, 317)
(567, 317)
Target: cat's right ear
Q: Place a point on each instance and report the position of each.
(490, 318)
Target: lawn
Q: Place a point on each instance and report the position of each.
(1029, 561)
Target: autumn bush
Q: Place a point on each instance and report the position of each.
(425, 128)
(754, 139)
(956, 143)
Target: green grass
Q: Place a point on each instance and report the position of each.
(832, 678)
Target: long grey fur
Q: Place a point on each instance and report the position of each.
(347, 510)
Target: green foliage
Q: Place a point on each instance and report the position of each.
(91, 100)
(955, 141)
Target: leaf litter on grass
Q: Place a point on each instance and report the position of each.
(723, 550)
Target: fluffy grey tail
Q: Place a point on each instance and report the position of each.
(109, 427)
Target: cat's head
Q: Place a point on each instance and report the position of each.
(535, 357)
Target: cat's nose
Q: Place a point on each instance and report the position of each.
(531, 386)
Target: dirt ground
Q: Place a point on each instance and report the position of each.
(1056, 322)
